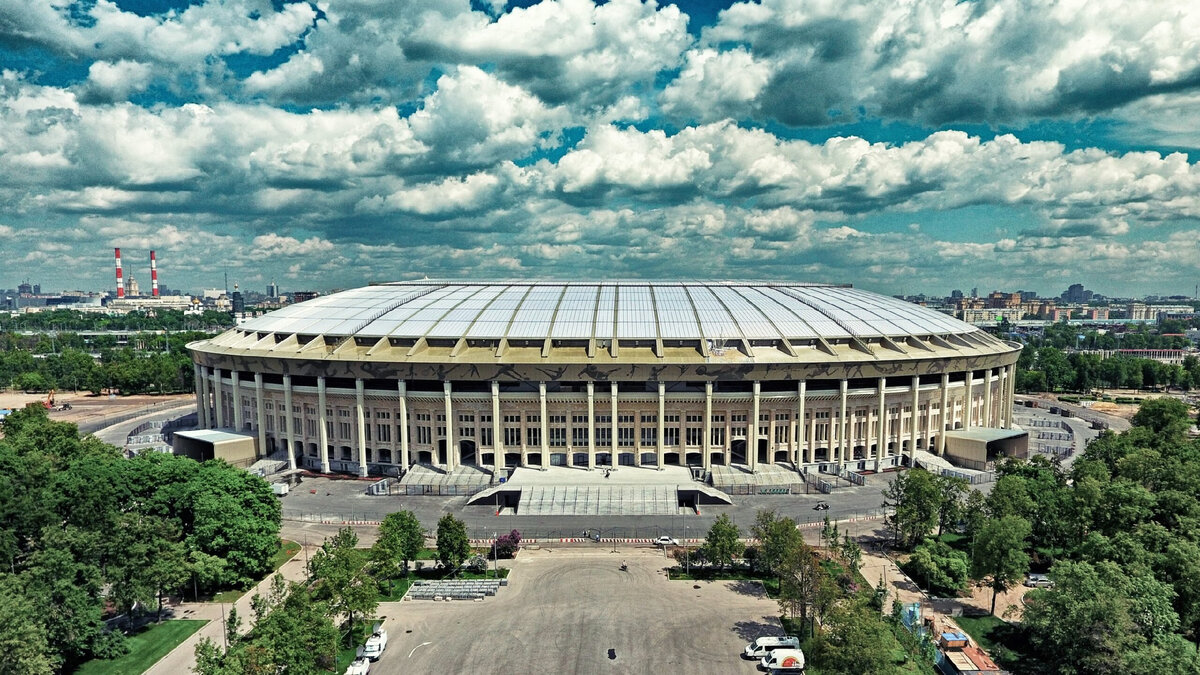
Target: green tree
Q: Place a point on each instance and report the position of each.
(23, 640)
(235, 517)
(722, 544)
(850, 644)
(800, 576)
(943, 570)
(998, 553)
(453, 545)
(340, 579)
(400, 540)
(778, 539)
(914, 500)
(954, 492)
(1166, 417)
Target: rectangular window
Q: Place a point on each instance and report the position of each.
(649, 435)
(579, 437)
(466, 426)
(737, 418)
(671, 436)
(367, 431)
(296, 425)
(381, 415)
(344, 430)
(604, 430)
(512, 436)
(670, 419)
(424, 435)
(718, 436)
(781, 434)
(485, 436)
(310, 427)
(270, 423)
(649, 419)
(534, 436)
(384, 432)
(695, 435)
(695, 419)
(625, 437)
(579, 419)
(558, 437)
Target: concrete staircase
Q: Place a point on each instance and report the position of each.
(599, 500)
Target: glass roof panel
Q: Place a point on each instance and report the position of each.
(604, 313)
(635, 314)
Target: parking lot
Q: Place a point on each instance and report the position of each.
(573, 610)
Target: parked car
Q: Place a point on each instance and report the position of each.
(666, 541)
(359, 666)
(821, 506)
(375, 645)
(1038, 581)
(783, 661)
(766, 644)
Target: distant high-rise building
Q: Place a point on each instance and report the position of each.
(24, 288)
(273, 290)
(37, 289)
(301, 296)
(956, 294)
(975, 292)
(1076, 293)
(239, 305)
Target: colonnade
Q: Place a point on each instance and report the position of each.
(845, 425)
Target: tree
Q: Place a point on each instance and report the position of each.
(778, 539)
(400, 541)
(340, 579)
(507, 545)
(998, 553)
(943, 570)
(850, 552)
(23, 640)
(235, 517)
(954, 491)
(850, 644)
(722, 544)
(800, 575)
(914, 499)
(453, 545)
(1166, 417)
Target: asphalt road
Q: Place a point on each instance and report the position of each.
(347, 500)
(574, 611)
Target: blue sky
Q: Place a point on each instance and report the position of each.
(913, 146)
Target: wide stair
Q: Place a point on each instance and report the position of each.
(599, 500)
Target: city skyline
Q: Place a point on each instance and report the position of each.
(904, 149)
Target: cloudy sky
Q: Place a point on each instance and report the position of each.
(900, 145)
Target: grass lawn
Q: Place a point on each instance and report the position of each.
(145, 648)
(770, 584)
(956, 541)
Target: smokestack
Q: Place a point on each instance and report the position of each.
(120, 279)
(153, 275)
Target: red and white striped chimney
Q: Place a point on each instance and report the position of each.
(120, 279)
(153, 275)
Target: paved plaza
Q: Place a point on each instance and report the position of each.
(573, 611)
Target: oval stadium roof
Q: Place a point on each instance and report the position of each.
(623, 310)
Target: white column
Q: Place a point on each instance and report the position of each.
(706, 442)
(912, 422)
(752, 430)
(544, 425)
(201, 397)
(944, 419)
(570, 438)
(987, 398)
(662, 411)
(237, 400)
(615, 449)
(881, 430)
(322, 425)
(260, 414)
(771, 436)
(451, 447)
(967, 408)
(497, 430)
(842, 429)
(812, 439)
(885, 424)
(591, 413)
(219, 398)
(801, 426)
(361, 413)
(286, 422)
(1011, 396)
(402, 389)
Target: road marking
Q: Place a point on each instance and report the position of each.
(418, 647)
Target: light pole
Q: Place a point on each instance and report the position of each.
(495, 558)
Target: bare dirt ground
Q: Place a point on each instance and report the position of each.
(85, 406)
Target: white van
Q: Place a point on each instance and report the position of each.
(763, 646)
(784, 661)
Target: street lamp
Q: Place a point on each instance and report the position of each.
(495, 558)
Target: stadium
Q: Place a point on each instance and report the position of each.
(495, 375)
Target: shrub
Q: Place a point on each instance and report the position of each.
(507, 545)
(477, 564)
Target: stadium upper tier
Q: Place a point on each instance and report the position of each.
(418, 319)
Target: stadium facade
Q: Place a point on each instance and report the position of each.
(592, 374)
